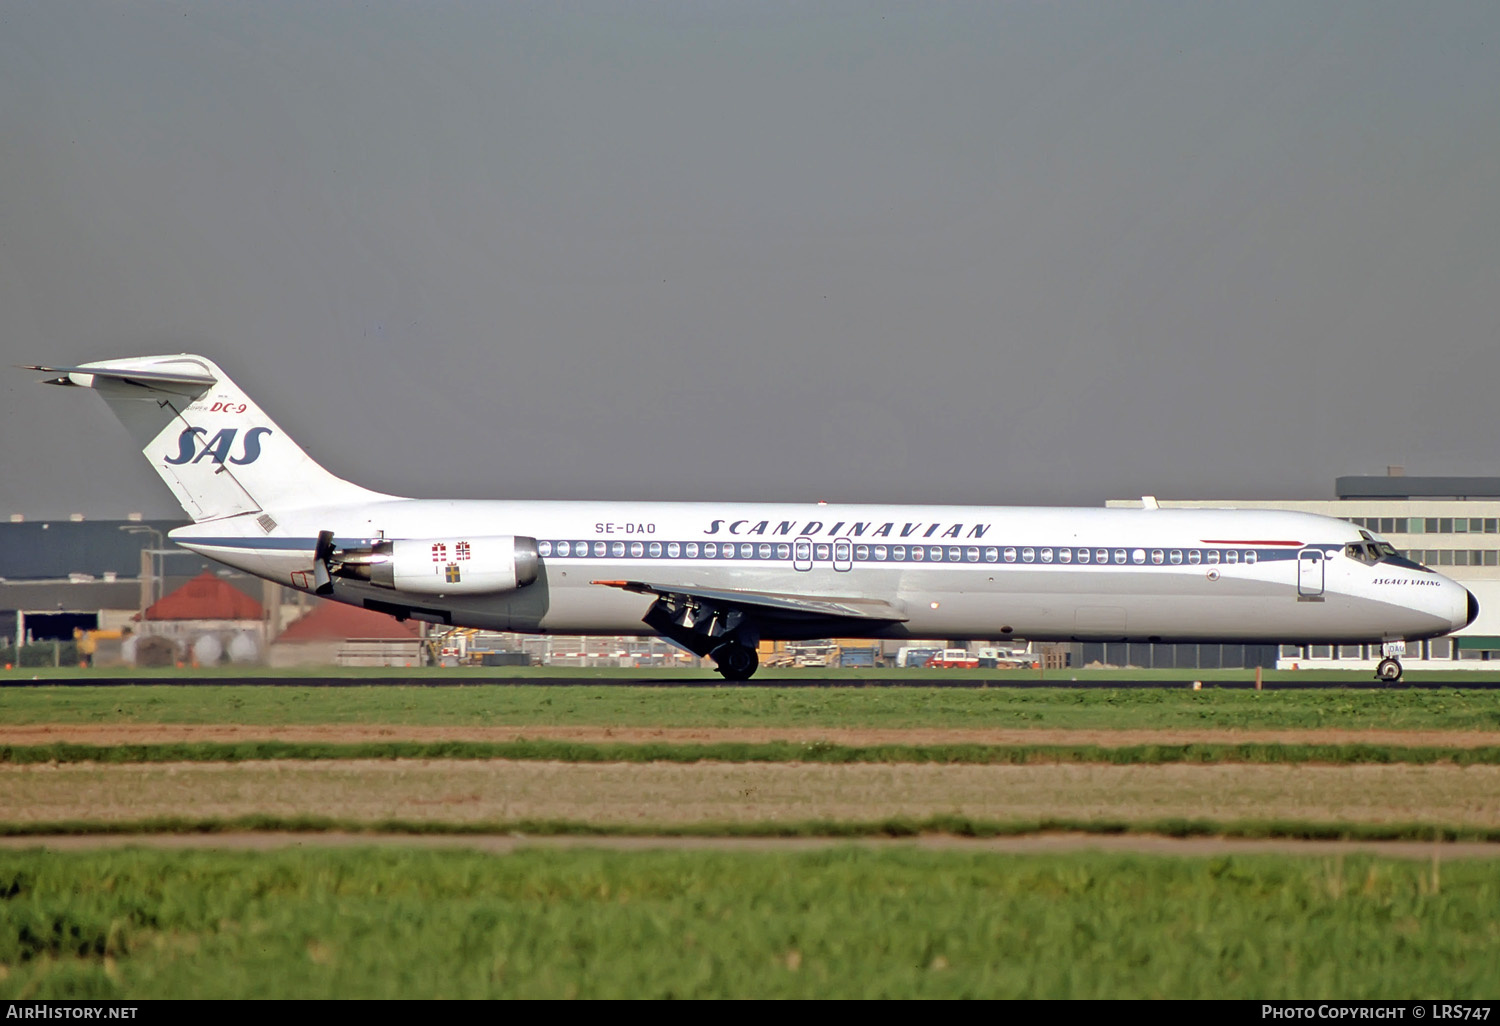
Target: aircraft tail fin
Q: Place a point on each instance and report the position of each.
(211, 444)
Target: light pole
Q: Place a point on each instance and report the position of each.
(155, 553)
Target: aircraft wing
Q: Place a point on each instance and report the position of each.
(773, 604)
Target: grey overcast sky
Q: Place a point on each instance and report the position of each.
(919, 252)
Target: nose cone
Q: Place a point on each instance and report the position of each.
(1473, 607)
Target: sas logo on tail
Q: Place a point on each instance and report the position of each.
(217, 447)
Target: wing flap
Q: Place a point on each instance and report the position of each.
(779, 603)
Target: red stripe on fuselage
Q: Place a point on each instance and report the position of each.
(1246, 541)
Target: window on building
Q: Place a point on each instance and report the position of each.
(1445, 557)
(1440, 648)
(1432, 525)
(1445, 525)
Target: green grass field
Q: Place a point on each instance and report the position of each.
(761, 706)
(839, 923)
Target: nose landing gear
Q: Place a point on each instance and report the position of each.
(1389, 669)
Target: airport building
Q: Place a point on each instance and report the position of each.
(1451, 524)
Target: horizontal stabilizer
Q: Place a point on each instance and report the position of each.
(86, 377)
(779, 603)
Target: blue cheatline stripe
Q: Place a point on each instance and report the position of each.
(782, 552)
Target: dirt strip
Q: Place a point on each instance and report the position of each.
(1035, 844)
(165, 733)
(656, 794)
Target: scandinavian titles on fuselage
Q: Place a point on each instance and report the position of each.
(849, 528)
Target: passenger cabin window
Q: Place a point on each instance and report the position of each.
(1195, 557)
(637, 549)
(1251, 555)
(1028, 555)
(898, 553)
(544, 548)
(598, 548)
(862, 552)
(1119, 555)
(1176, 556)
(1138, 556)
(1046, 555)
(1083, 555)
(880, 553)
(783, 550)
(991, 554)
(654, 549)
(1102, 555)
(1212, 555)
(710, 550)
(746, 550)
(563, 548)
(1010, 555)
(1231, 556)
(691, 550)
(1157, 555)
(1065, 555)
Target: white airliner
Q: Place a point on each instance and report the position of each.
(717, 578)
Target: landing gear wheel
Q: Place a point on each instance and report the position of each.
(1389, 670)
(736, 661)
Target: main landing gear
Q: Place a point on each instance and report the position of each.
(735, 661)
(727, 636)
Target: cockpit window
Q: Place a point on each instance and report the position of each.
(1366, 552)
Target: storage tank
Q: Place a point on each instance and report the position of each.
(243, 648)
(207, 650)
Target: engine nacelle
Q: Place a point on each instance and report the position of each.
(454, 566)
